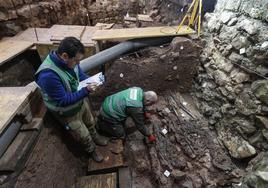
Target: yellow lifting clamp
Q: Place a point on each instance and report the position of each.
(192, 16)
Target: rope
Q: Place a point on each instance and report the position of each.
(31, 17)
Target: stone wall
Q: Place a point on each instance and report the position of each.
(17, 15)
(171, 12)
(21, 71)
(112, 11)
(168, 12)
(255, 9)
(232, 82)
(232, 85)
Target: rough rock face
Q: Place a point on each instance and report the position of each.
(21, 71)
(260, 89)
(258, 172)
(17, 15)
(172, 11)
(232, 80)
(255, 9)
(107, 11)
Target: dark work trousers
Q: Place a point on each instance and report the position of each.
(110, 127)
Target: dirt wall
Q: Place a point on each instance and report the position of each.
(161, 69)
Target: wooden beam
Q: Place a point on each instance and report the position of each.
(86, 37)
(97, 181)
(125, 178)
(13, 99)
(144, 18)
(11, 48)
(130, 19)
(113, 158)
(59, 32)
(146, 32)
(16, 154)
(104, 25)
(43, 35)
(34, 125)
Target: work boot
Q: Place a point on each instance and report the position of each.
(100, 140)
(96, 156)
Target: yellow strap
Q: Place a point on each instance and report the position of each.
(199, 20)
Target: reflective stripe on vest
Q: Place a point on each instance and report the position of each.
(70, 83)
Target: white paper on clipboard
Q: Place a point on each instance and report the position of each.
(97, 78)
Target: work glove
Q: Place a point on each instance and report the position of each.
(147, 115)
(151, 138)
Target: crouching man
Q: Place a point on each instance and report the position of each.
(128, 103)
(58, 78)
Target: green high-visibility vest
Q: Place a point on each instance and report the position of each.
(70, 83)
(115, 105)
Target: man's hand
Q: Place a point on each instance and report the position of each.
(92, 87)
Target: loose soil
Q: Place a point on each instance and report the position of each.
(189, 151)
(55, 161)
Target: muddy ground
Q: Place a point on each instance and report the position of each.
(55, 160)
(190, 151)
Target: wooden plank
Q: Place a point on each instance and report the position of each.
(43, 49)
(35, 124)
(59, 32)
(104, 25)
(43, 35)
(97, 181)
(130, 33)
(125, 178)
(11, 48)
(130, 19)
(144, 18)
(86, 38)
(18, 151)
(13, 99)
(113, 158)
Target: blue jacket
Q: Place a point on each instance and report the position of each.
(51, 83)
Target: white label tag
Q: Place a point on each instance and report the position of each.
(164, 131)
(167, 110)
(166, 173)
(133, 94)
(242, 50)
(184, 103)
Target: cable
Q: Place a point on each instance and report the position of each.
(249, 70)
(34, 24)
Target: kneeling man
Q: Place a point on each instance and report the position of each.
(127, 103)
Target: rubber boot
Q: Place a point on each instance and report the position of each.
(96, 156)
(100, 140)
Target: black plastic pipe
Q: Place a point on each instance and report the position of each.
(7, 137)
(120, 49)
